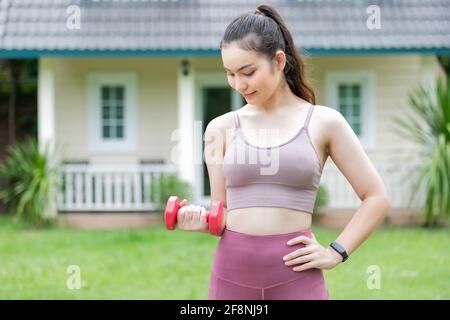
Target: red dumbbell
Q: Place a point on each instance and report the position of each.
(214, 217)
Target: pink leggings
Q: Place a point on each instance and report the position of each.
(251, 267)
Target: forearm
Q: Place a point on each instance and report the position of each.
(368, 216)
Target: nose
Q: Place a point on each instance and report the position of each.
(240, 85)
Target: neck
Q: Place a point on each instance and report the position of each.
(283, 97)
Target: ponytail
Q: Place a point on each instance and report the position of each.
(265, 32)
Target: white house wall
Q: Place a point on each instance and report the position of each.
(395, 76)
(158, 100)
(157, 106)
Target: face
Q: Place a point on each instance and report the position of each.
(252, 74)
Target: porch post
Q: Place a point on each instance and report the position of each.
(186, 110)
(46, 104)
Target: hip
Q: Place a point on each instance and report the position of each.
(257, 260)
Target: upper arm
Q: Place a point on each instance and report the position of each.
(349, 156)
(214, 150)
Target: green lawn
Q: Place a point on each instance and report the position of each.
(154, 263)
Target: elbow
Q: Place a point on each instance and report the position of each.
(382, 201)
(382, 210)
(386, 204)
(380, 197)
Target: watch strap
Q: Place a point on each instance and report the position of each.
(339, 249)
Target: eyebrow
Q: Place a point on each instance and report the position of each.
(247, 65)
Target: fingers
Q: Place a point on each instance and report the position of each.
(298, 253)
(181, 215)
(188, 212)
(303, 255)
(195, 216)
(310, 256)
(191, 213)
(203, 215)
(300, 239)
(306, 266)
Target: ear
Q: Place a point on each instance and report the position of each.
(280, 59)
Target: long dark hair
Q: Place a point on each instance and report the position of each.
(265, 32)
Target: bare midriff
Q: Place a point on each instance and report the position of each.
(267, 220)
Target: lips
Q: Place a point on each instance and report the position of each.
(249, 94)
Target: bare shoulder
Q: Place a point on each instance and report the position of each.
(329, 118)
(223, 122)
(326, 114)
(219, 129)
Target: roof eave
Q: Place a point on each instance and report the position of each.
(24, 54)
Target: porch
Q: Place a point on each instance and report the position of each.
(118, 196)
(111, 187)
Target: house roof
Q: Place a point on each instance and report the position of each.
(195, 27)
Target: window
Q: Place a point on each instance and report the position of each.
(112, 111)
(349, 102)
(352, 94)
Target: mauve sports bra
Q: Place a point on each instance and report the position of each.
(286, 175)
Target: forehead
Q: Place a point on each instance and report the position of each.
(234, 57)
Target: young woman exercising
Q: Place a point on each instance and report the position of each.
(267, 249)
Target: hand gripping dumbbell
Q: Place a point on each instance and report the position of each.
(214, 217)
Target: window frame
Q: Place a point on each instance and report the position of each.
(365, 78)
(95, 81)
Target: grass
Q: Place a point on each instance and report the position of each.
(153, 263)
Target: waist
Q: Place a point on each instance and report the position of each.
(271, 195)
(267, 220)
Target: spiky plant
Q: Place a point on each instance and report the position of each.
(33, 182)
(432, 132)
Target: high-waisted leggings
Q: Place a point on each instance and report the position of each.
(251, 267)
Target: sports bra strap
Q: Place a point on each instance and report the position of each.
(236, 119)
(308, 117)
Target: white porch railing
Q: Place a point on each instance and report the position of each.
(110, 188)
(102, 188)
(342, 195)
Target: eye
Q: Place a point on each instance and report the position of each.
(245, 74)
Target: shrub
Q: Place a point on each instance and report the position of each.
(322, 197)
(33, 181)
(169, 185)
(432, 134)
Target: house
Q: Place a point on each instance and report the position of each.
(122, 84)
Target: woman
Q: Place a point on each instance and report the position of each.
(267, 249)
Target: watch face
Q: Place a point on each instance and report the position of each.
(339, 247)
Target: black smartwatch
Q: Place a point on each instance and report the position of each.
(339, 249)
